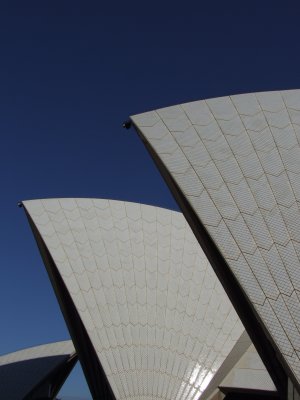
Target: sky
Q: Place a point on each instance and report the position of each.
(70, 73)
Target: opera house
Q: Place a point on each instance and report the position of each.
(200, 305)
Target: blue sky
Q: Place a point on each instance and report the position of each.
(70, 73)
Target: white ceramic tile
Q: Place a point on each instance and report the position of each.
(222, 108)
(262, 133)
(198, 112)
(246, 104)
(285, 137)
(279, 119)
(136, 294)
(270, 101)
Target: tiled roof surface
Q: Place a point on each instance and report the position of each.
(156, 314)
(237, 162)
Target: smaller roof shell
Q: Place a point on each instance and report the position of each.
(150, 305)
(36, 372)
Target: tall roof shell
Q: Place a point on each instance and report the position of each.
(31, 372)
(138, 295)
(233, 165)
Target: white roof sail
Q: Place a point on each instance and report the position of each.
(233, 164)
(36, 371)
(158, 319)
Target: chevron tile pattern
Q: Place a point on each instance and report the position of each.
(237, 161)
(156, 314)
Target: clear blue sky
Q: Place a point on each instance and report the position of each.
(70, 73)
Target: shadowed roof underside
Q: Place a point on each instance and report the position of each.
(37, 372)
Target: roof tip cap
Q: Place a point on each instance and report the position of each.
(127, 124)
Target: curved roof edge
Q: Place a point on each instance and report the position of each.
(36, 372)
(64, 347)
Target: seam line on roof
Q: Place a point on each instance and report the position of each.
(130, 243)
(282, 297)
(254, 197)
(290, 185)
(219, 262)
(82, 217)
(73, 272)
(290, 240)
(283, 164)
(222, 218)
(275, 206)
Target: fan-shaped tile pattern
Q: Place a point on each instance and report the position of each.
(157, 316)
(236, 160)
(24, 370)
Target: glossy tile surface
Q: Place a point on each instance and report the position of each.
(156, 314)
(237, 161)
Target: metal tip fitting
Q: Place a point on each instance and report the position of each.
(127, 124)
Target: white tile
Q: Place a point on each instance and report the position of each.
(147, 119)
(198, 112)
(270, 101)
(246, 104)
(278, 119)
(130, 270)
(262, 274)
(210, 132)
(222, 108)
